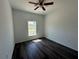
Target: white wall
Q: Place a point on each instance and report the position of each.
(6, 30)
(20, 25)
(61, 23)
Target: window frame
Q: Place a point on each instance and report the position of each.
(35, 28)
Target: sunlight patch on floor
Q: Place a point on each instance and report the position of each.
(37, 40)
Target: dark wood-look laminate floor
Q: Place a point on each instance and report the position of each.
(45, 49)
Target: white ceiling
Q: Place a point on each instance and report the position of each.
(25, 6)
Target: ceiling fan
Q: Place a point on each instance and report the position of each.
(41, 3)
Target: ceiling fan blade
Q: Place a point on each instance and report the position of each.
(43, 8)
(33, 2)
(39, 1)
(49, 3)
(36, 7)
(42, 1)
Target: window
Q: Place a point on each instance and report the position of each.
(31, 28)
